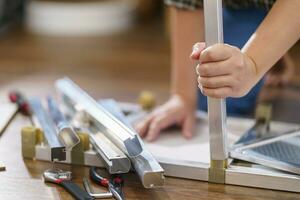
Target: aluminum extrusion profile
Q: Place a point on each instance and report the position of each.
(150, 172)
(58, 150)
(123, 137)
(116, 161)
(148, 169)
(66, 133)
(216, 107)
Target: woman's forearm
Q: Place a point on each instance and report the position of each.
(277, 33)
(186, 29)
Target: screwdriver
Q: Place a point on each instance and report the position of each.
(19, 99)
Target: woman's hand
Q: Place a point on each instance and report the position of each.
(224, 71)
(175, 111)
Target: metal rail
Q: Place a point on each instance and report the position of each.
(118, 132)
(216, 107)
(123, 137)
(58, 150)
(65, 131)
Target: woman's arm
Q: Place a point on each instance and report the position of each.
(226, 71)
(186, 29)
(277, 33)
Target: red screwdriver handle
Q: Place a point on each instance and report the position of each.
(19, 99)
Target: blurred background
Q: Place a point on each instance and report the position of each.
(108, 43)
(112, 48)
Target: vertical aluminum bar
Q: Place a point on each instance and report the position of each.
(216, 107)
(58, 151)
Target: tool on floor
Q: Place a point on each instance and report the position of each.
(90, 191)
(58, 150)
(124, 137)
(114, 185)
(66, 133)
(63, 178)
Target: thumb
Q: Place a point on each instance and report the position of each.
(197, 49)
(188, 127)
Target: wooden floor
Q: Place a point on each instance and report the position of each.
(116, 66)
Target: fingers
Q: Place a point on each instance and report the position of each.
(142, 127)
(188, 127)
(217, 52)
(213, 69)
(214, 82)
(157, 125)
(153, 125)
(222, 92)
(197, 49)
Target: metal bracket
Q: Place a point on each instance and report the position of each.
(216, 173)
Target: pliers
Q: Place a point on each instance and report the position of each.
(114, 185)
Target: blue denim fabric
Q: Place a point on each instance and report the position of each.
(238, 27)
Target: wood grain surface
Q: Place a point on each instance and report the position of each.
(118, 66)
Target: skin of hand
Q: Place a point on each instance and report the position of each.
(186, 29)
(224, 71)
(176, 111)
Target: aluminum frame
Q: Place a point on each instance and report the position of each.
(216, 107)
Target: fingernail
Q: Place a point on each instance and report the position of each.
(194, 50)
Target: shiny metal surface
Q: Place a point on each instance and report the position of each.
(65, 132)
(281, 152)
(58, 151)
(148, 169)
(53, 175)
(89, 190)
(108, 121)
(116, 161)
(123, 137)
(216, 107)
